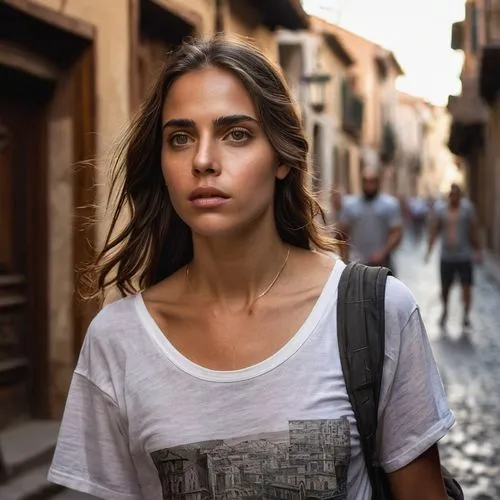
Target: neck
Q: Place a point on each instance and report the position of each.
(234, 271)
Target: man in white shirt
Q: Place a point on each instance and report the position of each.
(372, 223)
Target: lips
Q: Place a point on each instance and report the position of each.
(208, 197)
(207, 192)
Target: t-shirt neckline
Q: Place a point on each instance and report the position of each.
(324, 303)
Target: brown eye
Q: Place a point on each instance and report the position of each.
(239, 135)
(179, 140)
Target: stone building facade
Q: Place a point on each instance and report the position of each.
(316, 65)
(474, 130)
(424, 166)
(412, 122)
(373, 77)
(344, 111)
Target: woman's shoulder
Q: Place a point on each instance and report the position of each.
(403, 323)
(114, 319)
(109, 340)
(400, 303)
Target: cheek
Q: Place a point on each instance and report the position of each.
(174, 187)
(254, 178)
(175, 173)
(256, 170)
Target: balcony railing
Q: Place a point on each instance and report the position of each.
(468, 107)
(352, 110)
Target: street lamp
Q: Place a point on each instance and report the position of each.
(317, 90)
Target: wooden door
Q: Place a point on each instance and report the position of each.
(22, 255)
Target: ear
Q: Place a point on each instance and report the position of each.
(282, 171)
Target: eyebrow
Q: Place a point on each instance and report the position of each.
(224, 121)
(221, 121)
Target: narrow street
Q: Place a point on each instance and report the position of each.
(470, 369)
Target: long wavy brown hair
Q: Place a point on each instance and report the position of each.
(155, 242)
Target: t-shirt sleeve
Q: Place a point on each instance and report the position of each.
(413, 411)
(395, 216)
(92, 453)
(345, 216)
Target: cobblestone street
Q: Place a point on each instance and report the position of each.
(470, 369)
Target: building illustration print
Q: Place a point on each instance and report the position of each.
(309, 461)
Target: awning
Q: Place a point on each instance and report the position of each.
(287, 14)
(465, 138)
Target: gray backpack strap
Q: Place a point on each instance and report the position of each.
(361, 338)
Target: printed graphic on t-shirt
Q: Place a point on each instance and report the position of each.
(309, 461)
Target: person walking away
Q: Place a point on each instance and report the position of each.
(419, 210)
(372, 223)
(455, 222)
(218, 373)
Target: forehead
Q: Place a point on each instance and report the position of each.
(207, 93)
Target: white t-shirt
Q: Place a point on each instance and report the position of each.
(144, 422)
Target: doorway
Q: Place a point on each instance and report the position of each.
(46, 128)
(23, 246)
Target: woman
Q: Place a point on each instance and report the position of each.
(222, 379)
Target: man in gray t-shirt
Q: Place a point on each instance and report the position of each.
(372, 223)
(456, 222)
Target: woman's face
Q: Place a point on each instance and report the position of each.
(218, 164)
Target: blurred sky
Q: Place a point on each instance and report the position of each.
(418, 31)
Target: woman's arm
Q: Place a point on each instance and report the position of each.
(420, 479)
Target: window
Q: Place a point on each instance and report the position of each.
(347, 171)
(474, 33)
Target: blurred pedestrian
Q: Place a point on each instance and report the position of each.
(219, 371)
(456, 223)
(419, 210)
(372, 223)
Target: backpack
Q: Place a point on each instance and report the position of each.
(361, 338)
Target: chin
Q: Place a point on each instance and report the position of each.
(219, 224)
(211, 228)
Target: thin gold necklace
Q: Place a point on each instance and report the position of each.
(268, 288)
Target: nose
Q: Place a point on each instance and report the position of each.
(204, 161)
